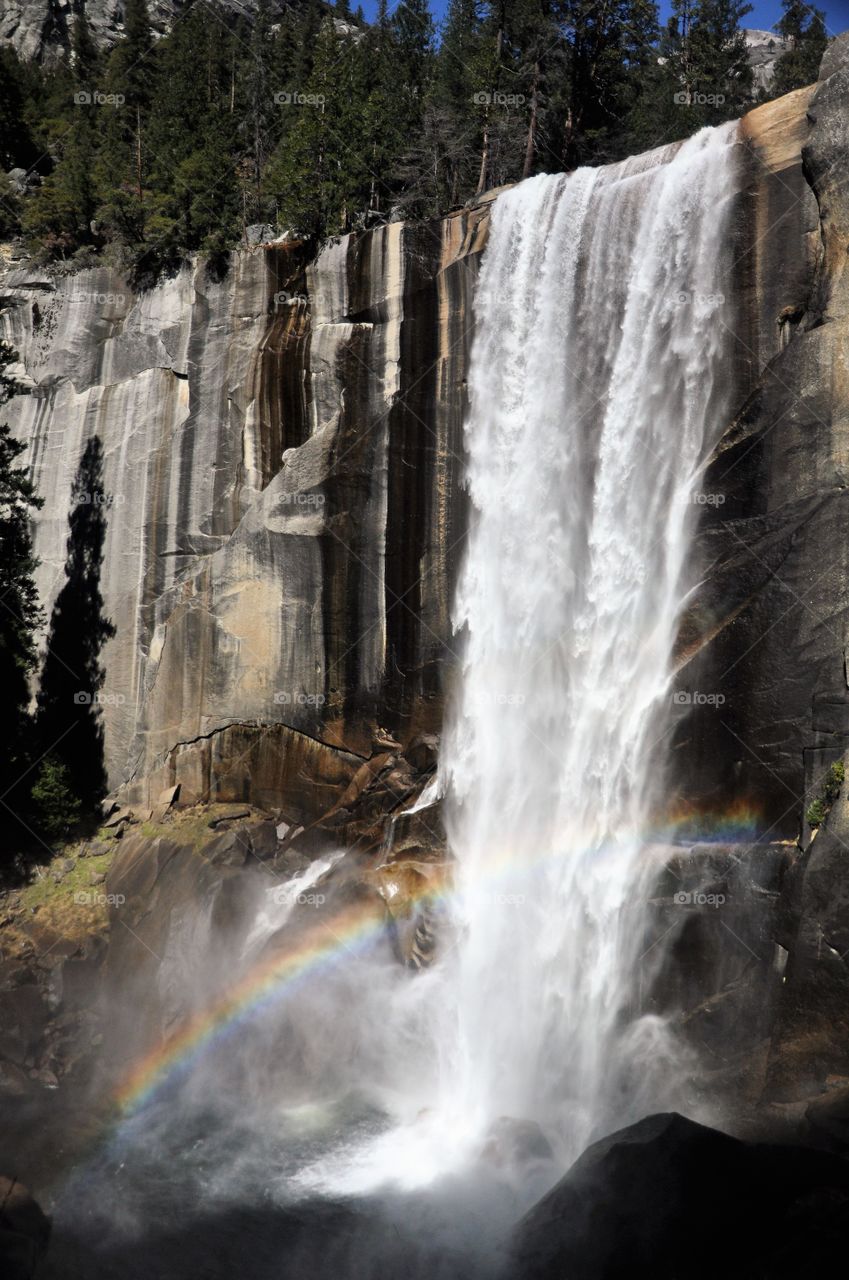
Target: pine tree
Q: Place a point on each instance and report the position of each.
(122, 161)
(319, 175)
(20, 620)
(16, 144)
(804, 30)
(86, 61)
(707, 71)
(192, 198)
(68, 719)
(720, 60)
(453, 115)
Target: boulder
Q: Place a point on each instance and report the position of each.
(836, 56)
(828, 1120)
(669, 1198)
(423, 752)
(231, 848)
(24, 1231)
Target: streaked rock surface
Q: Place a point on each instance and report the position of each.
(284, 453)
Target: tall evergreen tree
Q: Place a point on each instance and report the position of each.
(455, 107)
(122, 162)
(803, 27)
(20, 619)
(69, 727)
(708, 74)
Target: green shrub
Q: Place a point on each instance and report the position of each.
(57, 809)
(833, 781)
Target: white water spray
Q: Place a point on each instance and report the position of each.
(598, 385)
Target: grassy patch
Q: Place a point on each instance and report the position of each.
(72, 906)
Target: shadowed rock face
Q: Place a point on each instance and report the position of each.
(667, 1197)
(771, 612)
(283, 451)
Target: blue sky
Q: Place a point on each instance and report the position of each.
(765, 13)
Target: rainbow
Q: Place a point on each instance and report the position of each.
(348, 934)
(266, 984)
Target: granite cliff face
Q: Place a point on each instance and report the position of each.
(283, 450)
(42, 29)
(771, 613)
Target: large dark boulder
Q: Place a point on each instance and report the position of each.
(24, 1231)
(667, 1197)
(810, 1040)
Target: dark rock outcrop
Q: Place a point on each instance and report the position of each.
(24, 1231)
(770, 613)
(669, 1198)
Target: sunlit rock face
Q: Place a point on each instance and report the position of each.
(764, 49)
(42, 29)
(283, 450)
(282, 464)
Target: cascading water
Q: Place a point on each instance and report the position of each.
(598, 385)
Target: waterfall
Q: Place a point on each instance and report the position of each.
(598, 385)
